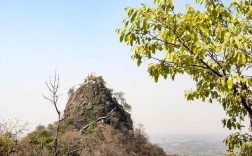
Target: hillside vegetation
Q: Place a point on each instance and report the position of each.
(95, 123)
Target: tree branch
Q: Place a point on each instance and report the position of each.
(53, 88)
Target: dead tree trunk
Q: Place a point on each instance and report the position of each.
(53, 87)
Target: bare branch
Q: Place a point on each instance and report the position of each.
(53, 88)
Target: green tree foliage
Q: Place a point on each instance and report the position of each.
(212, 46)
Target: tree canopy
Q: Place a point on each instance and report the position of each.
(212, 45)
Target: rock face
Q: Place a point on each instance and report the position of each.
(93, 100)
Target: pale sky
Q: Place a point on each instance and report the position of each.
(77, 38)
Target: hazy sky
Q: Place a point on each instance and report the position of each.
(76, 38)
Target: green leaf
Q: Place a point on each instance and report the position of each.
(229, 124)
(250, 82)
(122, 36)
(224, 81)
(133, 16)
(238, 78)
(230, 83)
(242, 59)
(199, 1)
(171, 4)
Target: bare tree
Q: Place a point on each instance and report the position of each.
(11, 131)
(53, 87)
(140, 134)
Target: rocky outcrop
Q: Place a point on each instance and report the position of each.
(94, 124)
(93, 100)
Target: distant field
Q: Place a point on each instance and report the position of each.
(192, 145)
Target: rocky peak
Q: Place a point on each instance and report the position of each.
(93, 100)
